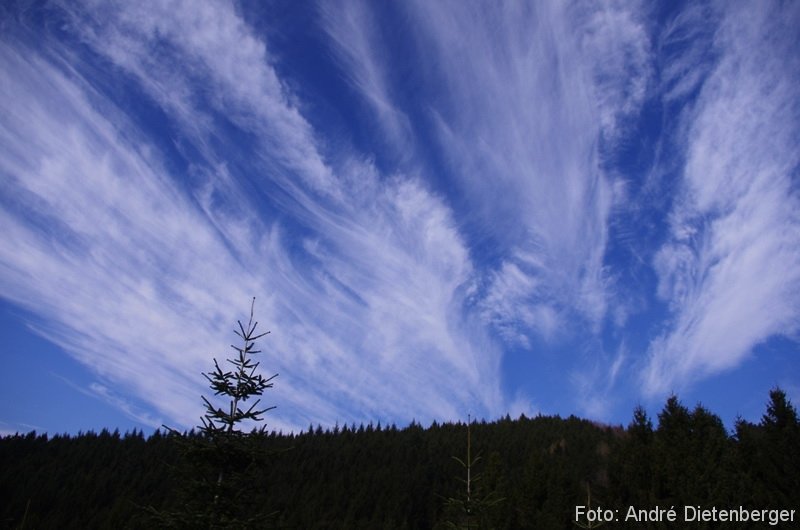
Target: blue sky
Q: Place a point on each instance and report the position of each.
(442, 208)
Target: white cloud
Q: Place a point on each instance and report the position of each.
(140, 276)
(359, 44)
(614, 36)
(530, 90)
(140, 252)
(96, 240)
(687, 43)
(190, 56)
(731, 270)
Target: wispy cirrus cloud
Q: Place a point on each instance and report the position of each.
(202, 65)
(144, 271)
(729, 271)
(359, 42)
(521, 101)
(686, 43)
(542, 85)
(96, 239)
(614, 37)
(507, 196)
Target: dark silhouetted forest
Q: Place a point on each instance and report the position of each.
(537, 469)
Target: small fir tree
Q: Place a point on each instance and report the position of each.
(222, 425)
(223, 458)
(471, 509)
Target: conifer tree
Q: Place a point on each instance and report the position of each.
(672, 453)
(780, 459)
(222, 426)
(471, 508)
(635, 463)
(222, 458)
(781, 414)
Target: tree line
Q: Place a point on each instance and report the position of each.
(373, 476)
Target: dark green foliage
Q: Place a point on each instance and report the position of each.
(87, 481)
(373, 477)
(635, 464)
(768, 455)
